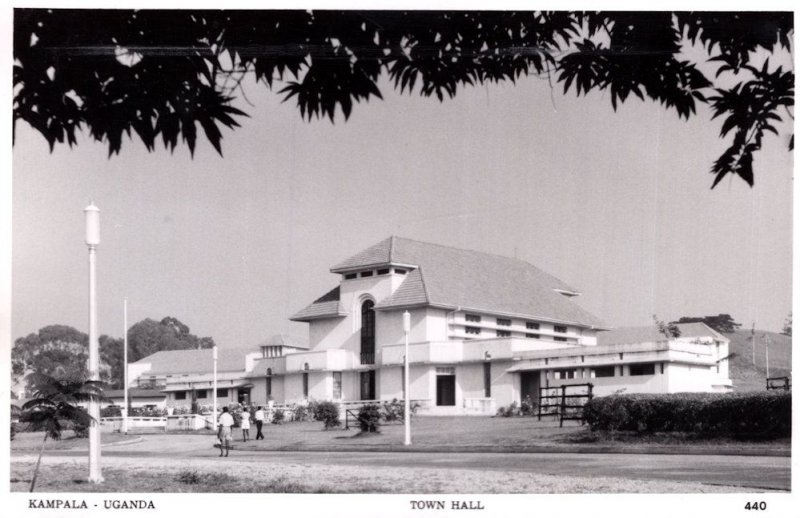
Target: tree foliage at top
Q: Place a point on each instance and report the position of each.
(161, 75)
(787, 326)
(722, 323)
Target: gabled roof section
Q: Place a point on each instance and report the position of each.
(196, 361)
(327, 306)
(456, 278)
(632, 335)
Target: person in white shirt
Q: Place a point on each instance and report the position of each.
(259, 423)
(225, 433)
(245, 424)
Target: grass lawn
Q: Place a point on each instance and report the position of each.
(213, 475)
(32, 441)
(476, 434)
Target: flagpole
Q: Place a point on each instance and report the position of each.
(125, 365)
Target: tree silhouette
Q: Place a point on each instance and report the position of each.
(161, 74)
(55, 402)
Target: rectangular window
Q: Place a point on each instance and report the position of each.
(202, 394)
(180, 395)
(603, 372)
(222, 392)
(532, 325)
(503, 334)
(399, 271)
(643, 369)
(350, 276)
(564, 374)
(559, 339)
(472, 330)
(503, 322)
(560, 329)
(383, 271)
(366, 274)
(532, 335)
(337, 385)
(487, 379)
(446, 371)
(472, 318)
(305, 384)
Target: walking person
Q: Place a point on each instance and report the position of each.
(245, 424)
(225, 433)
(259, 422)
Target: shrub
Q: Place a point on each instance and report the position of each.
(528, 406)
(369, 417)
(755, 415)
(278, 416)
(300, 413)
(13, 431)
(111, 411)
(509, 411)
(393, 410)
(81, 430)
(328, 413)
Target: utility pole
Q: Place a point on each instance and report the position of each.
(92, 214)
(407, 411)
(753, 342)
(125, 365)
(766, 351)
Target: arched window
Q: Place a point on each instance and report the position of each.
(367, 332)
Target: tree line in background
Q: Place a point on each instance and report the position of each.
(164, 74)
(62, 351)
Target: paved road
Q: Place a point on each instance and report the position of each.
(744, 471)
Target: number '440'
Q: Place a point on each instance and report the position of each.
(756, 506)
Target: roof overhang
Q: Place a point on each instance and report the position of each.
(384, 264)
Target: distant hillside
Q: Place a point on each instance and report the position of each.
(745, 375)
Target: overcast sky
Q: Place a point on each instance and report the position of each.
(617, 205)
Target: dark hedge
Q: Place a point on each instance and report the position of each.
(757, 415)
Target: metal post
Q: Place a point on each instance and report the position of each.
(407, 398)
(125, 365)
(766, 351)
(92, 214)
(214, 386)
(753, 342)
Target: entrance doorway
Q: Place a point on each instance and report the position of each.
(445, 390)
(368, 385)
(529, 385)
(244, 396)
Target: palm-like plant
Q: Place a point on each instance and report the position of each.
(55, 403)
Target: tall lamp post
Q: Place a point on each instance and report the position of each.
(92, 214)
(407, 412)
(125, 365)
(214, 386)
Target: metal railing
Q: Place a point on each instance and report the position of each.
(556, 401)
(779, 383)
(368, 358)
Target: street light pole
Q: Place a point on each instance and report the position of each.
(92, 214)
(125, 365)
(407, 412)
(214, 386)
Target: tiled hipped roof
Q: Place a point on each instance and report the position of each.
(196, 361)
(456, 278)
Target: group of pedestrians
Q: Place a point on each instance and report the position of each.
(226, 422)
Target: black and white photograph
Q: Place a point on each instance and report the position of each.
(455, 258)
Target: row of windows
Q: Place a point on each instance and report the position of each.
(201, 394)
(609, 371)
(501, 333)
(380, 271)
(469, 317)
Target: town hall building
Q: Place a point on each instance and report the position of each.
(486, 331)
